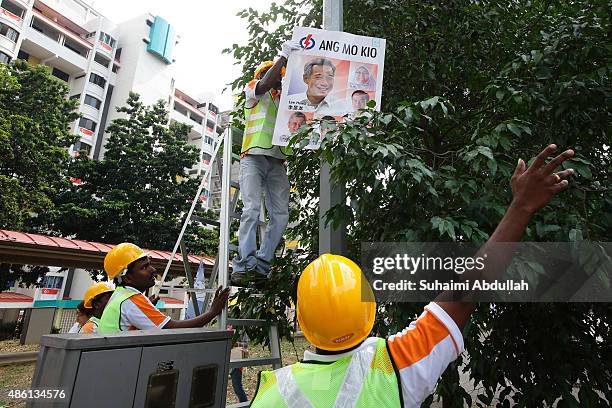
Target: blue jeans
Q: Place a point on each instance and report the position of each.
(236, 375)
(261, 175)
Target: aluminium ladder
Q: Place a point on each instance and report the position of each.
(220, 270)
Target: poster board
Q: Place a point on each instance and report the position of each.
(333, 76)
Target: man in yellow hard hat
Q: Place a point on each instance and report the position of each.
(350, 369)
(262, 170)
(96, 297)
(128, 308)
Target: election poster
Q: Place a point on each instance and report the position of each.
(328, 80)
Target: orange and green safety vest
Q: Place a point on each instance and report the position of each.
(111, 317)
(259, 127)
(364, 379)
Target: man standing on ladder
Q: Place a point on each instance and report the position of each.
(262, 170)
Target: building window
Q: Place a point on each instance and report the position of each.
(87, 124)
(93, 102)
(4, 58)
(196, 118)
(181, 109)
(13, 9)
(9, 33)
(97, 79)
(22, 55)
(60, 74)
(115, 68)
(82, 147)
(118, 55)
(100, 59)
(107, 39)
(76, 47)
(209, 140)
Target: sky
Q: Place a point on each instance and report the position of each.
(205, 28)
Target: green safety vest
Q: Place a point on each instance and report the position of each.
(259, 128)
(364, 379)
(111, 317)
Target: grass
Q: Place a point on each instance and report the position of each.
(19, 376)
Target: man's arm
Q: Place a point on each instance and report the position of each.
(272, 77)
(532, 189)
(215, 309)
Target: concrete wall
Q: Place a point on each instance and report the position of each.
(39, 321)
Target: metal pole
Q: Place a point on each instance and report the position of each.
(224, 218)
(196, 199)
(331, 240)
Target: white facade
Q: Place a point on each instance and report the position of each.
(102, 62)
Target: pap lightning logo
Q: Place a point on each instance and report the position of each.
(307, 42)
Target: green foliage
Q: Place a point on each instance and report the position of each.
(140, 191)
(35, 119)
(469, 88)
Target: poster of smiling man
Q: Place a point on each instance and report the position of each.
(335, 74)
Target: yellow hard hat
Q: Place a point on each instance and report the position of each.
(331, 309)
(266, 65)
(118, 258)
(93, 291)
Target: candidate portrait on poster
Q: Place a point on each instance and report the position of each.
(334, 75)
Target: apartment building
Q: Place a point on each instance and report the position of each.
(102, 62)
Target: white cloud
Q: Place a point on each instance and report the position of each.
(205, 28)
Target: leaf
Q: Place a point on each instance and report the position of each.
(514, 129)
(499, 94)
(575, 235)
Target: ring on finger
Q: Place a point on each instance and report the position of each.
(557, 178)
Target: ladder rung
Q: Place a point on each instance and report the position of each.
(239, 405)
(248, 322)
(251, 362)
(206, 221)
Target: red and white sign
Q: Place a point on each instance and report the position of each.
(106, 46)
(210, 130)
(11, 15)
(49, 294)
(76, 181)
(86, 132)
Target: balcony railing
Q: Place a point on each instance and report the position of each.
(13, 18)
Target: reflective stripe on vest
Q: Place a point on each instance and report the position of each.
(259, 126)
(289, 390)
(111, 318)
(368, 379)
(355, 376)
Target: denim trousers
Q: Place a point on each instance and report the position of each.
(236, 375)
(261, 175)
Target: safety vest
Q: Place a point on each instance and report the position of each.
(95, 323)
(259, 128)
(363, 379)
(111, 318)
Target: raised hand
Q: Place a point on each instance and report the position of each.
(534, 187)
(220, 300)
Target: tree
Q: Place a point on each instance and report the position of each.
(469, 88)
(35, 119)
(141, 190)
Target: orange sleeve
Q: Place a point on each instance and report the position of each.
(87, 328)
(147, 308)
